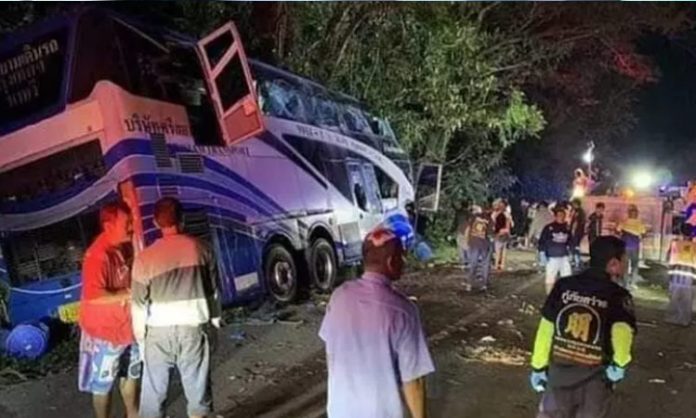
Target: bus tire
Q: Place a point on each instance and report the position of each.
(280, 273)
(323, 267)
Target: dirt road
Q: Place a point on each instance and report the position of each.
(480, 344)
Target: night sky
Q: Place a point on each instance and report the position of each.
(665, 134)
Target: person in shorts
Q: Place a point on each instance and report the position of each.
(555, 243)
(108, 355)
(502, 226)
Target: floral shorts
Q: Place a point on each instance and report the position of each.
(103, 363)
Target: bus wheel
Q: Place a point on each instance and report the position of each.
(323, 268)
(280, 273)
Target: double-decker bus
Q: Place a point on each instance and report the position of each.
(281, 176)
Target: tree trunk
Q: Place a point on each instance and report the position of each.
(269, 22)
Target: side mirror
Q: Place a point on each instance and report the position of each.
(428, 185)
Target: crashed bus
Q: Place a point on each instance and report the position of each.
(281, 176)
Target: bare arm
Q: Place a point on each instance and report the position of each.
(122, 296)
(414, 394)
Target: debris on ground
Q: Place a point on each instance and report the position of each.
(488, 339)
(238, 335)
(510, 356)
(687, 366)
(8, 371)
(439, 336)
(527, 309)
(657, 381)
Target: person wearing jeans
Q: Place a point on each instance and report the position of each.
(479, 245)
(461, 223)
(542, 217)
(176, 307)
(577, 230)
(555, 243)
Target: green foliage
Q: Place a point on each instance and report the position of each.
(420, 65)
(427, 67)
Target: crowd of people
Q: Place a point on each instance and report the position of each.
(555, 230)
(144, 316)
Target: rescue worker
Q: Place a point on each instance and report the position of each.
(479, 244)
(555, 243)
(584, 340)
(631, 231)
(682, 268)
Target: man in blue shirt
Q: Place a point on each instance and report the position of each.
(376, 350)
(555, 243)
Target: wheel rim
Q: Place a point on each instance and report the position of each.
(324, 268)
(283, 277)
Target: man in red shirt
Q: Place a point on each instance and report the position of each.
(107, 349)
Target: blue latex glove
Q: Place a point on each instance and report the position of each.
(538, 379)
(615, 374)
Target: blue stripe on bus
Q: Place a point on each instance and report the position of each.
(130, 147)
(150, 179)
(126, 148)
(135, 146)
(214, 165)
(147, 210)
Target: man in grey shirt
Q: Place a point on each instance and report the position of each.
(377, 354)
(175, 300)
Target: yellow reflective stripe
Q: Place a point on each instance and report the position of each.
(542, 344)
(621, 342)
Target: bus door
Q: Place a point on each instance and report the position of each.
(366, 195)
(229, 80)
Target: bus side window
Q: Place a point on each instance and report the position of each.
(360, 196)
(388, 188)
